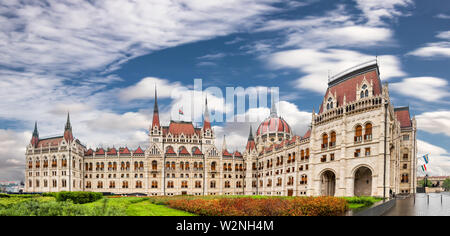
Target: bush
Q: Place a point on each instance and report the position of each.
(34, 207)
(78, 197)
(4, 195)
(299, 206)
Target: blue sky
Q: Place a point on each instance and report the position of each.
(101, 61)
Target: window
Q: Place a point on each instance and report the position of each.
(357, 152)
(213, 166)
(154, 184)
(324, 158)
(212, 184)
(404, 178)
(405, 166)
(368, 132)
(332, 157)
(170, 184)
(333, 139)
(358, 134)
(198, 184)
(405, 137)
(125, 184)
(154, 165)
(367, 151)
(324, 141)
(405, 156)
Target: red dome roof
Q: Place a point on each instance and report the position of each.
(273, 125)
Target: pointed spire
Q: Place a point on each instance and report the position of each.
(35, 132)
(273, 109)
(68, 125)
(250, 135)
(155, 122)
(35, 138)
(206, 122)
(68, 136)
(224, 144)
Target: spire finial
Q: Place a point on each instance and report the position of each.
(68, 125)
(155, 121)
(250, 135)
(35, 132)
(224, 144)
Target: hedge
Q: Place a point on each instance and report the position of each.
(78, 197)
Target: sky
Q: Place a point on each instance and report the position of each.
(101, 60)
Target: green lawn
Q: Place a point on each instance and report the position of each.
(146, 208)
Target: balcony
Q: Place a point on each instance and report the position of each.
(358, 139)
(368, 137)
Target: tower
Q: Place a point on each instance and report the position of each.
(155, 122)
(35, 138)
(68, 136)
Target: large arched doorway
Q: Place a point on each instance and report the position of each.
(363, 182)
(328, 180)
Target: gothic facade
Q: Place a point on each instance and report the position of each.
(358, 144)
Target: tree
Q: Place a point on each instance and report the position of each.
(429, 183)
(446, 184)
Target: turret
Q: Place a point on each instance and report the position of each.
(68, 136)
(35, 138)
(155, 122)
(206, 121)
(250, 142)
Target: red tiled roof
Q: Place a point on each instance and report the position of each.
(112, 151)
(250, 145)
(348, 85)
(403, 116)
(198, 152)
(124, 150)
(184, 151)
(307, 134)
(170, 150)
(237, 154)
(100, 152)
(138, 151)
(181, 127)
(89, 152)
(273, 124)
(226, 153)
(50, 142)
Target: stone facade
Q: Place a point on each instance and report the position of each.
(358, 144)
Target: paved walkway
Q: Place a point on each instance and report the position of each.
(432, 204)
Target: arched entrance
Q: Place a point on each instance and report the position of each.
(363, 182)
(328, 180)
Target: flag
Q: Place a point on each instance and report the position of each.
(180, 111)
(424, 167)
(425, 157)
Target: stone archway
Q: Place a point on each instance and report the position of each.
(363, 182)
(328, 183)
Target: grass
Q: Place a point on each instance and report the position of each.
(146, 208)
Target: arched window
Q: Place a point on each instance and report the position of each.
(154, 165)
(362, 94)
(212, 184)
(182, 165)
(213, 166)
(358, 134)
(333, 139)
(367, 93)
(302, 155)
(324, 141)
(368, 132)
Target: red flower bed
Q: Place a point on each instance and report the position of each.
(301, 206)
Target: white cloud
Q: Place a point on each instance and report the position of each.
(317, 63)
(431, 88)
(434, 122)
(334, 28)
(73, 35)
(439, 159)
(435, 49)
(443, 16)
(12, 154)
(377, 11)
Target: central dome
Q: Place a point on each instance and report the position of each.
(273, 129)
(273, 125)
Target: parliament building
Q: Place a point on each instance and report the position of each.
(358, 144)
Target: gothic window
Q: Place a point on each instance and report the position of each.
(368, 132)
(154, 165)
(324, 141)
(358, 133)
(333, 139)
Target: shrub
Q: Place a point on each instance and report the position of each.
(34, 207)
(299, 206)
(4, 195)
(78, 197)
